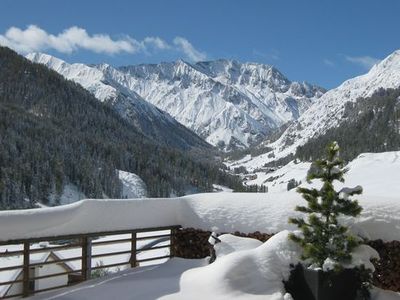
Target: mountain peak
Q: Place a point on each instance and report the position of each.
(328, 110)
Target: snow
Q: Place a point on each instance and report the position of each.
(246, 212)
(247, 274)
(254, 273)
(268, 212)
(231, 243)
(327, 111)
(209, 98)
(223, 101)
(103, 82)
(132, 185)
(222, 188)
(362, 255)
(69, 195)
(377, 173)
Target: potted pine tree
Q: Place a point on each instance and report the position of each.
(327, 245)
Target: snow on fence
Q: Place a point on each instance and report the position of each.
(222, 212)
(46, 263)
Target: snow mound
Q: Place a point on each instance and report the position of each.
(132, 185)
(231, 243)
(246, 274)
(229, 212)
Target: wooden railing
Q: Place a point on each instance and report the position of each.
(23, 278)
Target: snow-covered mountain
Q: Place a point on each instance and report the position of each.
(150, 120)
(227, 103)
(328, 110)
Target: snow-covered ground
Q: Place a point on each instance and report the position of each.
(221, 188)
(377, 173)
(252, 270)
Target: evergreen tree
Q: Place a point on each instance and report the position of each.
(323, 237)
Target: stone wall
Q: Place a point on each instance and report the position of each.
(387, 269)
(193, 243)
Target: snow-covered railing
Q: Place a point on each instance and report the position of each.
(221, 212)
(39, 264)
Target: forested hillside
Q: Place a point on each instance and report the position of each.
(53, 132)
(371, 125)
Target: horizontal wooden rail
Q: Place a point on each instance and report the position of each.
(111, 254)
(10, 282)
(153, 248)
(55, 261)
(141, 238)
(11, 253)
(55, 248)
(85, 243)
(11, 268)
(94, 243)
(153, 258)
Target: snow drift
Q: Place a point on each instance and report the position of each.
(226, 212)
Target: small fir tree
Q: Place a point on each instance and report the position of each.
(322, 235)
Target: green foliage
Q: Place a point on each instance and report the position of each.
(322, 235)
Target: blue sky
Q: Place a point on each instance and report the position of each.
(320, 41)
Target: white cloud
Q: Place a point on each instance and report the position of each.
(187, 48)
(156, 42)
(364, 61)
(72, 39)
(35, 39)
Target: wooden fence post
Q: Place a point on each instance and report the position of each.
(25, 270)
(86, 257)
(133, 259)
(172, 242)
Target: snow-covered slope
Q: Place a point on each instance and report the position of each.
(226, 102)
(150, 120)
(327, 111)
(132, 185)
(376, 172)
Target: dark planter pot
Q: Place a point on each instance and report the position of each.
(305, 284)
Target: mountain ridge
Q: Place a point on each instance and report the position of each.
(328, 111)
(207, 102)
(227, 103)
(150, 120)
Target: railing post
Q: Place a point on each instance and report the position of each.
(25, 270)
(133, 259)
(86, 257)
(172, 242)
